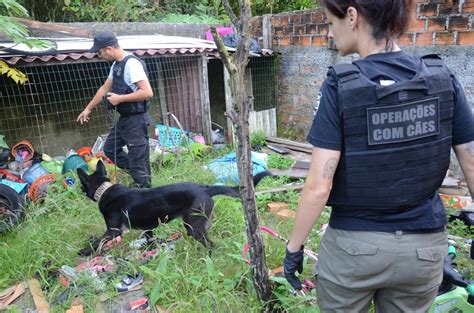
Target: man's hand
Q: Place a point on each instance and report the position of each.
(293, 263)
(84, 116)
(114, 99)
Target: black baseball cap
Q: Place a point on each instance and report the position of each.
(103, 40)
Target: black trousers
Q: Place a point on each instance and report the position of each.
(132, 131)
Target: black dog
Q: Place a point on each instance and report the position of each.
(124, 207)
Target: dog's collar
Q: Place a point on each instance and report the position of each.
(102, 188)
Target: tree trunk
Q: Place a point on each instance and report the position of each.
(239, 116)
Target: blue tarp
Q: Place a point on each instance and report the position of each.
(18, 187)
(225, 168)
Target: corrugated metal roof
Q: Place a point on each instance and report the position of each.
(77, 48)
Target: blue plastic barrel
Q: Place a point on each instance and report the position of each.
(73, 162)
(34, 172)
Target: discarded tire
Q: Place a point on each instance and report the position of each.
(12, 208)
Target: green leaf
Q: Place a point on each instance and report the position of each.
(156, 293)
(13, 8)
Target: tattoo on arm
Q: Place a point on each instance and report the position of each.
(470, 148)
(329, 168)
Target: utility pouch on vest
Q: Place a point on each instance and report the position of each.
(397, 138)
(107, 104)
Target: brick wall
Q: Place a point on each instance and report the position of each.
(445, 27)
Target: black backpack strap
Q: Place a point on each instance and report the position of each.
(435, 64)
(346, 72)
(348, 76)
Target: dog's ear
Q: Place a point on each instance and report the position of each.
(101, 168)
(83, 177)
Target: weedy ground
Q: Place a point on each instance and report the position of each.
(182, 279)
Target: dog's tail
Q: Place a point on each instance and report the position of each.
(234, 191)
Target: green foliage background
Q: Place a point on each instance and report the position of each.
(177, 11)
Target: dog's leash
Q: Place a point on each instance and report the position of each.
(114, 176)
(114, 123)
(312, 255)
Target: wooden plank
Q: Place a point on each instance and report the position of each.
(205, 101)
(450, 182)
(293, 145)
(296, 187)
(301, 165)
(288, 142)
(263, 120)
(228, 105)
(278, 149)
(293, 173)
(73, 31)
(249, 86)
(41, 304)
(267, 32)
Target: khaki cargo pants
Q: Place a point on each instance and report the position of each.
(400, 272)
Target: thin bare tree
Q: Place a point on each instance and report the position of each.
(236, 64)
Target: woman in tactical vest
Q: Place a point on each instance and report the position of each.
(382, 136)
(127, 90)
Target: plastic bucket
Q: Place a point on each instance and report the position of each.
(23, 151)
(34, 172)
(73, 162)
(40, 186)
(85, 152)
(92, 163)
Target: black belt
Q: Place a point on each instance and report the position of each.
(419, 231)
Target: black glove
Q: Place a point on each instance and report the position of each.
(293, 262)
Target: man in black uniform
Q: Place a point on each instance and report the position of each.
(128, 91)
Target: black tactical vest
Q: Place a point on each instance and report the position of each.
(121, 88)
(397, 138)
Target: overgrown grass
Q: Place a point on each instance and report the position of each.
(183, 279)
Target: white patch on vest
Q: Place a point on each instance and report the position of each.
(386, 82)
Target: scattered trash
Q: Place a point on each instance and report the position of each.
(99, 144)
(34, 172)
(73, 275)
(6, 174)
(85, 153)
(225, 168)
(169, 137)
(139, 304)
(20, 188)
(10, 294)
(12, 209)
(39, 187)
(455, 202)
(129, 283)
(217, 136)
(73, 162)
(53, 166)
(69, 181)
(4, 152)
(23, 151)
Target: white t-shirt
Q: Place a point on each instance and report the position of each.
(133, 73)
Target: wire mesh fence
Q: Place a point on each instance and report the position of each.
(45, 109)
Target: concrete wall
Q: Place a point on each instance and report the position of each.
(123, 29)
(442, 27)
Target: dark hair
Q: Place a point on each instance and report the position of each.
(388, 18)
